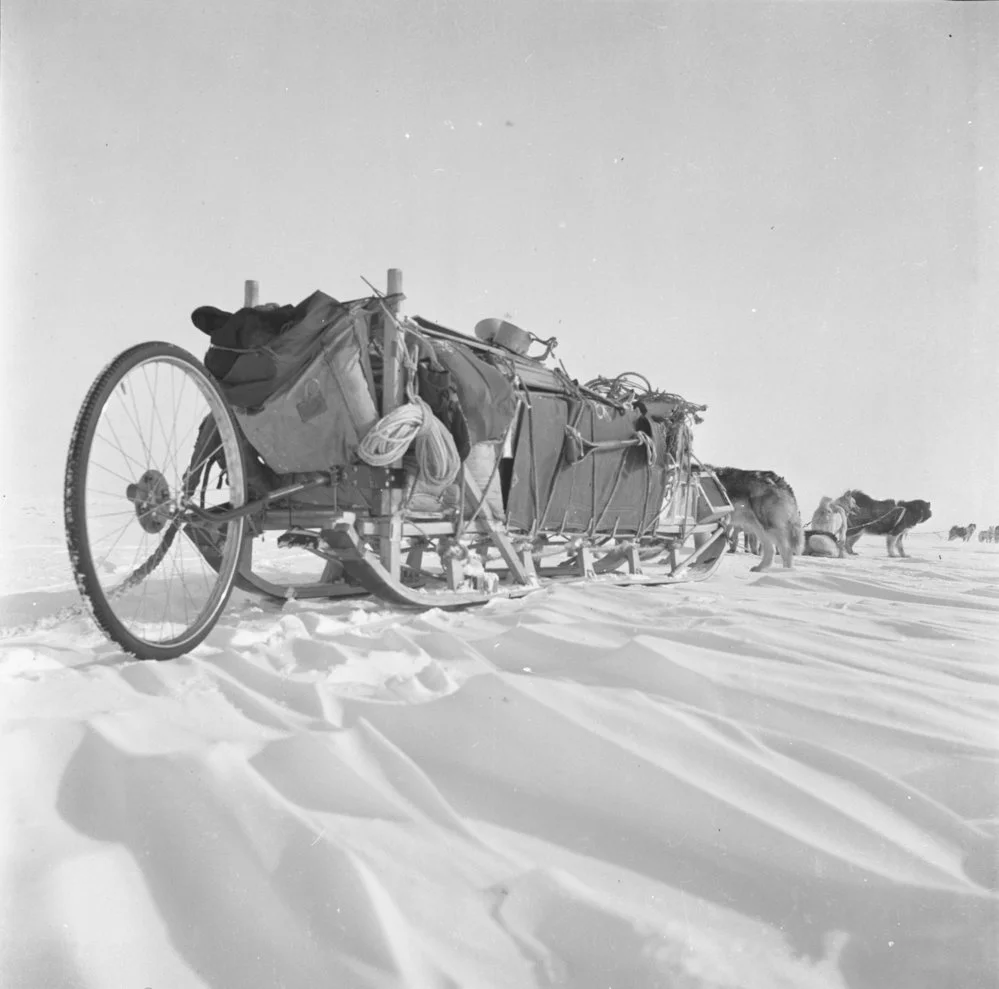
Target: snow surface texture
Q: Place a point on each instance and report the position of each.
(760, 781)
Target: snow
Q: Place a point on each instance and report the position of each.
(767, 780)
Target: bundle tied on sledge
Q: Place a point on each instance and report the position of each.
(458, 409)
(662, 429)
(304, 383)
(413, 423)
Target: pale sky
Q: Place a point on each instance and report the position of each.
(788, 211)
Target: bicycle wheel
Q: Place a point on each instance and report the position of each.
(154, 437)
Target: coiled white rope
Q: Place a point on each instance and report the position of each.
(390, 437)
(437, 457)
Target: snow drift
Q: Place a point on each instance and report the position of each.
(785, 779)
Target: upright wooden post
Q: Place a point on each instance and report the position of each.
(392, 347)
(389, 550)
(251, 293)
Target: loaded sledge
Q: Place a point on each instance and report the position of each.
(419, 464)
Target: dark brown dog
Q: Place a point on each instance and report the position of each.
(889, 518)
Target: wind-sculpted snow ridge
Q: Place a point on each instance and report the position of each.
(761, 781)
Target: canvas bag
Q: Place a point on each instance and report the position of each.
(316, 419)
(486, 396)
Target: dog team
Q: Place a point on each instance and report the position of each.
(965, 532)
(766, 511)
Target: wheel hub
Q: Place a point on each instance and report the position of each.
(152, 500)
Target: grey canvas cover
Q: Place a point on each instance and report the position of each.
(608, 491)
(320, 412)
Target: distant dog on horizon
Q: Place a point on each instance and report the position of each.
(963, 532)
(826, 533)
(889, 518)
(987, 535)
(764, 506)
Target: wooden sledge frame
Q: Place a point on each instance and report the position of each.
(375, 554)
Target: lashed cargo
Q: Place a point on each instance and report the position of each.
(303, 398)
(620, 490)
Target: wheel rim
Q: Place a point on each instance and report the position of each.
(147, 459)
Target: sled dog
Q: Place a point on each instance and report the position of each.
(764, 506)
(963, 532)
(889, 518)
(826, 534)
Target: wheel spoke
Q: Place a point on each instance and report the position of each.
(123, 513)
(194, 468)
(152, 404)
(170, 453)
(174, 417)
(121, 477)
(119, 446)
(183, 547)
(134, 420)
(117, 535)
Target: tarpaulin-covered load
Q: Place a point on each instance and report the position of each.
(256, 349)
(422, 465)
(580, 465)
(305, 381)
(300, 391)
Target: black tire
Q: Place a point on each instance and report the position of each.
(137, 454)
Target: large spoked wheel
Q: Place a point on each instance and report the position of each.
(155, 452)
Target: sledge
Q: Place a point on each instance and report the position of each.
(424, 466)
